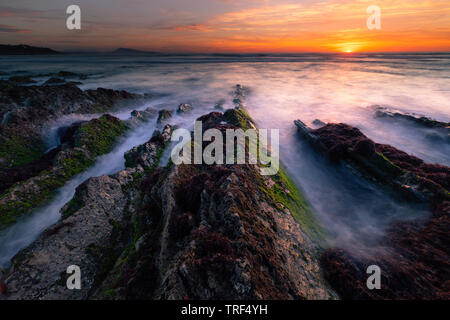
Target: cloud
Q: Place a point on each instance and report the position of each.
(18, 13)
(325, 25)
(6, 28)
(192, 27)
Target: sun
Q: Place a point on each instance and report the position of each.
(348, 51)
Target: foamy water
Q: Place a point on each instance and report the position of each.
(283, 88)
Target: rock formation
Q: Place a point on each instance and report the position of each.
(179, 232)
(414, 256)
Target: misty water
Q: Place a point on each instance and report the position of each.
(332, 88)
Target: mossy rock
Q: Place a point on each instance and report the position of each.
(93, 139)
(99, 135)
(284, 193)
(16, 150)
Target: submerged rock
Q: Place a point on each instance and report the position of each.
(137, 117)
(240, 93)
(391, 167)
(414, 256)
(184, 107)
(67, 74)
(164, 115)
(318, 122)
(438, 132)
(383, 112)
(219, 105)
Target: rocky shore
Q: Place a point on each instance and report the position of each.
(25, 110)
(157, 230)
(29, 176)
(179, 232)
(414, 256)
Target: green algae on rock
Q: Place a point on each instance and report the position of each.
(92, 139)
(94, 229)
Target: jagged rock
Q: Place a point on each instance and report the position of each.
(25, 110)
(202, 237)
(146, 155)
(318, 122)
(54, 81)
(137, 117)
(93, 231)
(184, 107)
(403, 173)
(80, 239)
(414, 256)
(21, 80)
(383, 112)
(66, 74)
(179, 232)
(89, 140)
(164, 115)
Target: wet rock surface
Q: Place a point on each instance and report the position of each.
(403, 173)
(145, 155)
(414, 256)
(212, 232)
(140, 116)
(28, 186)
(383, 112)
(95, 228)
(184, 107)
(178, 232)
(24, 111)
(164, 115)
(438, 131)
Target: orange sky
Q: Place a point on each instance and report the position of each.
(244, 26)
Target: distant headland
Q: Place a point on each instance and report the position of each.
(23, 49)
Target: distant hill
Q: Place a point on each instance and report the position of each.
(22, 49)
(129, 51)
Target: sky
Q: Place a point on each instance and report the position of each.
(229, 25)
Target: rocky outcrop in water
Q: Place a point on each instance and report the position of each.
(440, 130)
(83, 142)
(383, 112)
(163, 116)
(25, 110)
(94, 230)
(179, 232)
(414, 256)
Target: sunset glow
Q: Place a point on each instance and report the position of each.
(233, 26)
